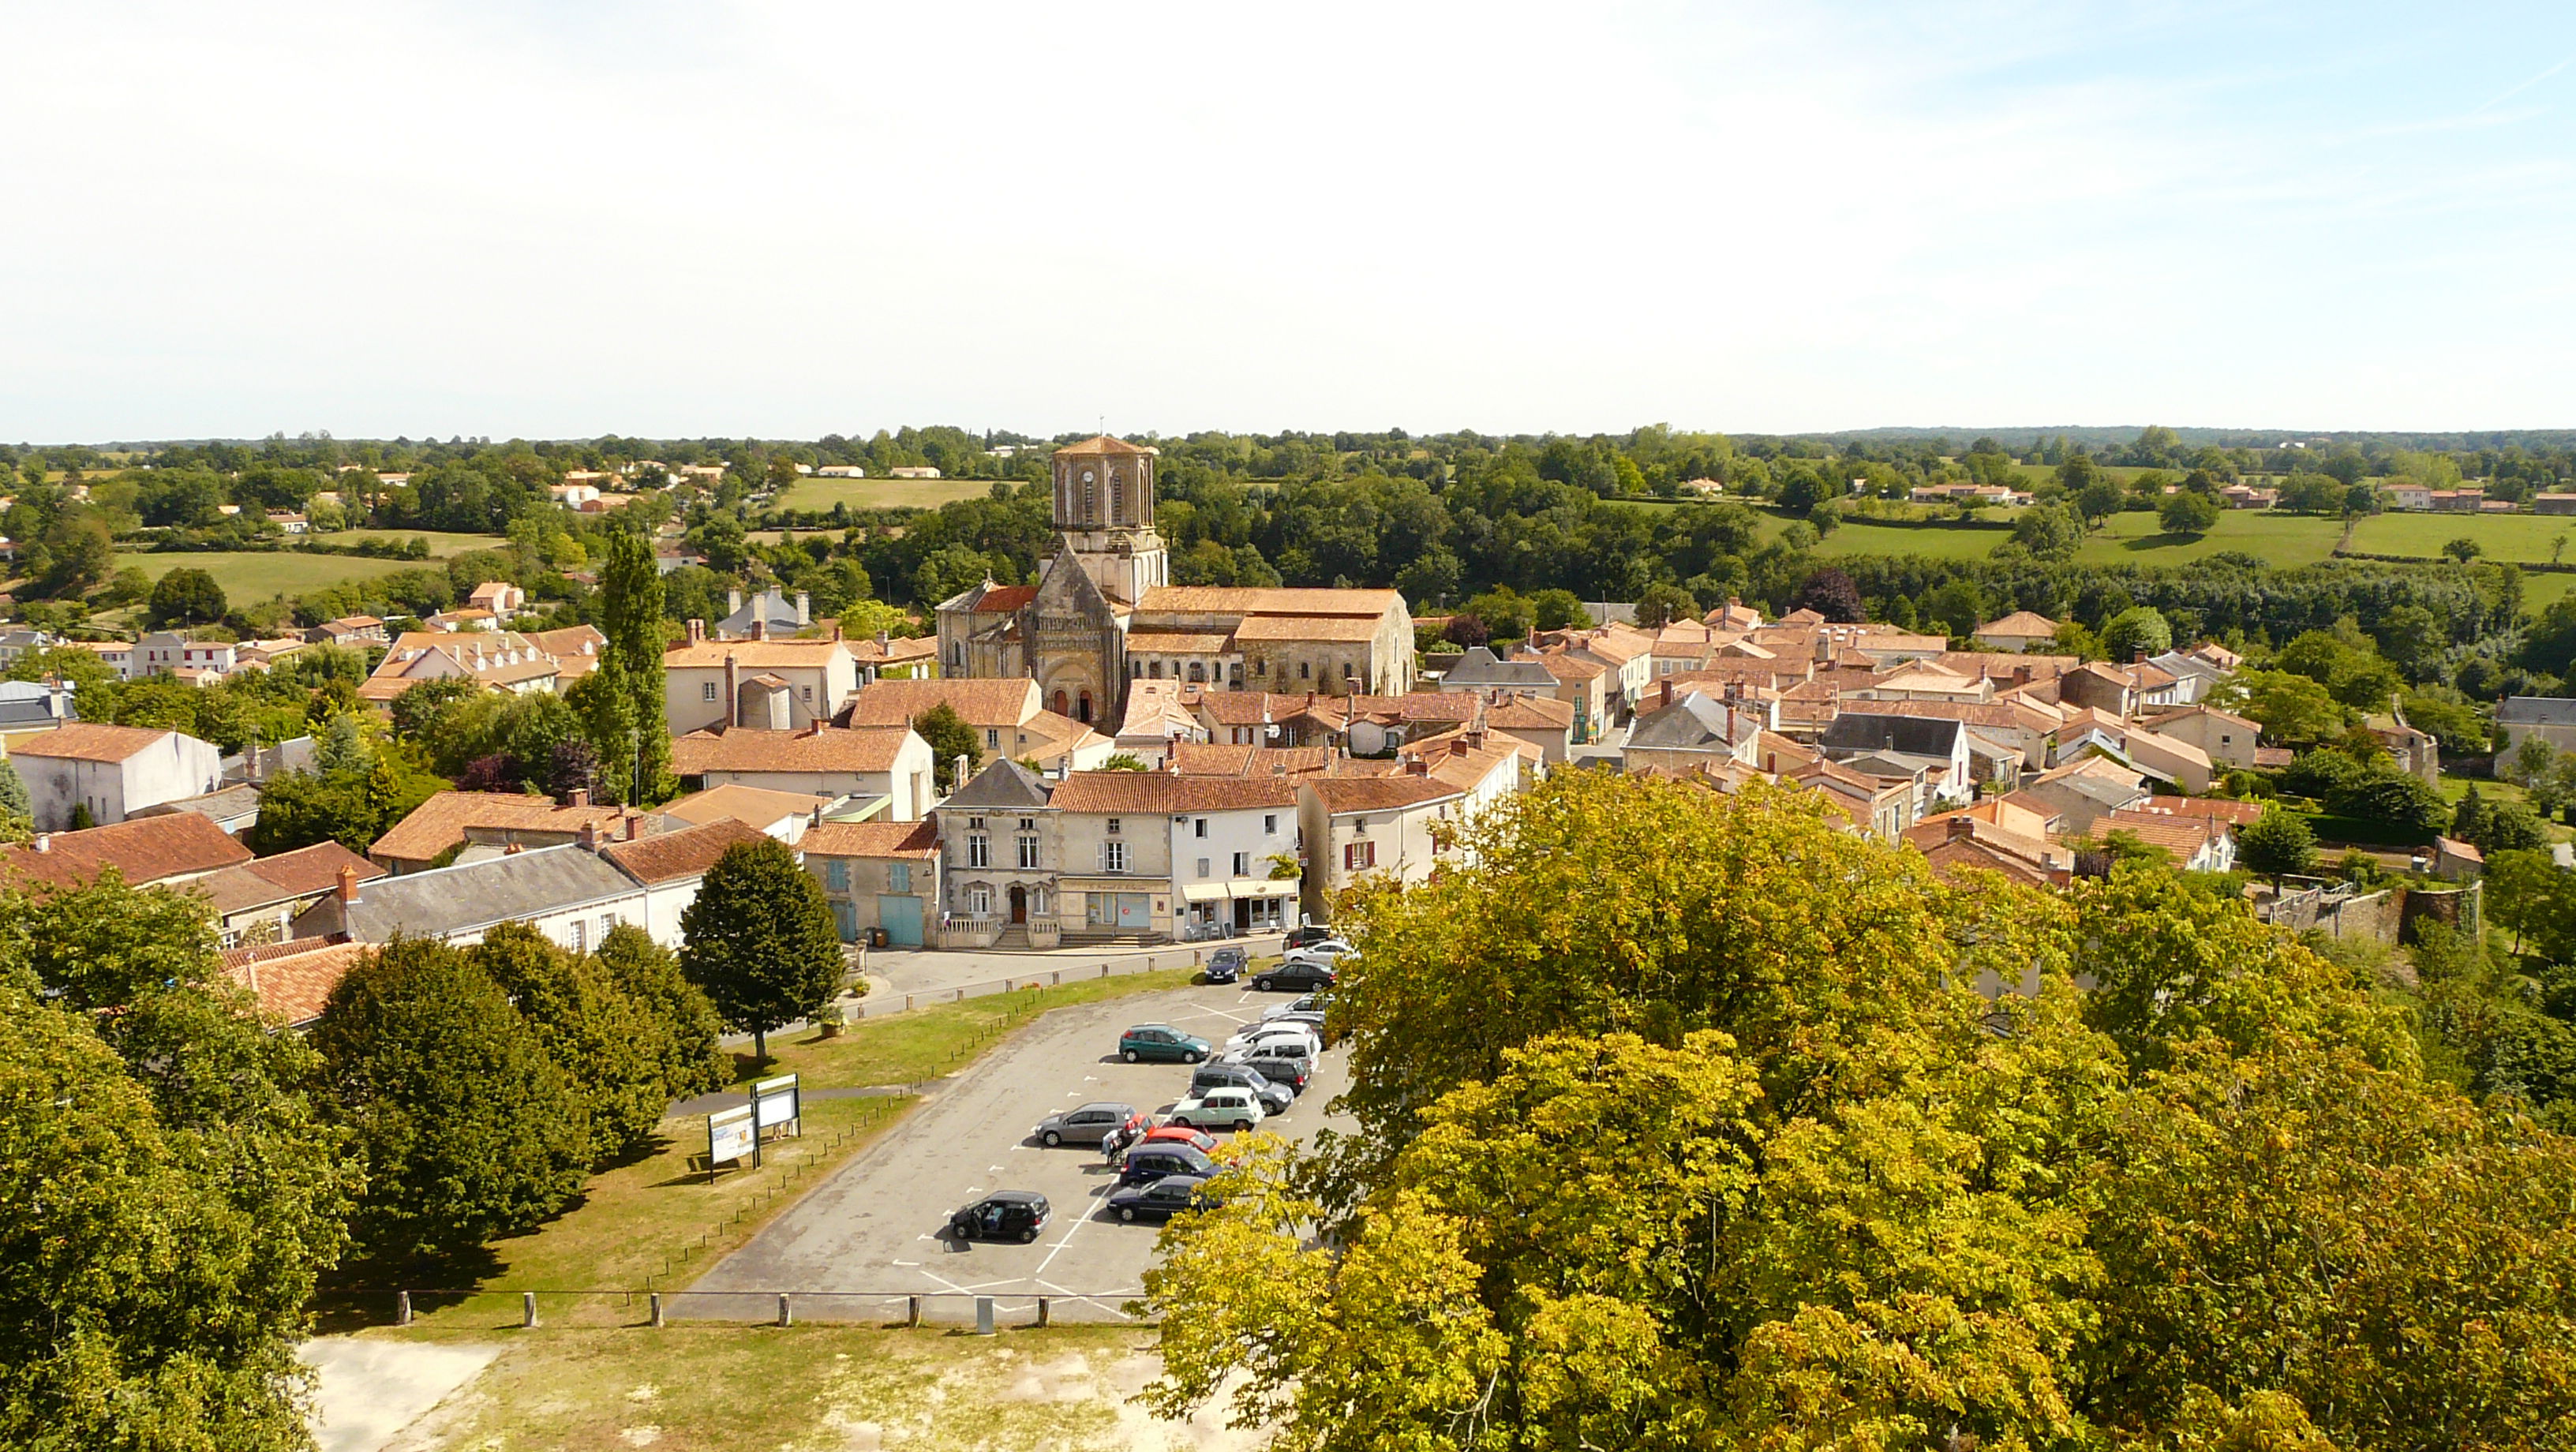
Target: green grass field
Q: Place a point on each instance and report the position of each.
(2524, 538)
(813, 494)
(252, 575)
(442, 545)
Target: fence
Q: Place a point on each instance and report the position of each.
(782, 1308)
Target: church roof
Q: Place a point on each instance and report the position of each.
(1226, 600)
(1105, 444)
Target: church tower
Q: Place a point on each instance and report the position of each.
(1104, 509)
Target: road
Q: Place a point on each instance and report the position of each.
(876, 1226)
(924, 972)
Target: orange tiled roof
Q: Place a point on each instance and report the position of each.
(88, 741)
(145, 849)
(872, 839)
(293, 980)
(671, 856)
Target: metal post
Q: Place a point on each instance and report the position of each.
(983, 1315)
(912, 1311)
(402, 1308)
(786, 1313)
(657, 1310)
(527, 1309)
(1042, 1310)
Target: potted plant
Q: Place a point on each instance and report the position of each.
(828, 1019)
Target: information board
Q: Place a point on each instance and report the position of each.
(777, 1101)
(729, 1135)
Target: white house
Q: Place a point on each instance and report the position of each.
(670, 866)
(1354, 827)
(1221, 836)
(892, 762)
(772, 685)
(111, 770)
(571, 894)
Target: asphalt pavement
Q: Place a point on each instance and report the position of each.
(877, 1225)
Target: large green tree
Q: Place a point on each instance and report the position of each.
(951, 741)
(1682, 1123)
(609, 1046)
(759, 940)
(630, 588)
(650, 974)
(186, 597)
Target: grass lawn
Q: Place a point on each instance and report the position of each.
(249, 575)
(2518, 537)
(814, 494)
(442, 544)
(733, 1389)
(2277, 539)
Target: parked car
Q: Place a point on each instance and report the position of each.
(1300, 937)
(1293, 976)
(1087, 1125)
(1263, 1033)
(1281, 1061)
(1147, 1163)
(1235, 1109)
(1004, 1215)
(1275, 1097)
(1161, 1041)
(1197, 1139)
(1225, 965)
(1310, 1003)
(1325, 948)
(1161, 1200)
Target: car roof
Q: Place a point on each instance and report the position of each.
(1131, 1028)
(1110, 1104)
(1017, 1197)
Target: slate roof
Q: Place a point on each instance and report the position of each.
(1908, 735)
(471, 896)
(1691, 721)
(283, 878)
(1479, 667)
(1003, 785)
(2537, 711)
(228, 804)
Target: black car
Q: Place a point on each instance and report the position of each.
(1275, 1096)
(1300, 937)
(1004, 1215)
(1225, 965)
(1293, 978)
(1156, 1158)
(1161, 1200)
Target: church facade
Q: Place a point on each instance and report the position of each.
(1104, 611)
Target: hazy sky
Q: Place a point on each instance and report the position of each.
(558, 220)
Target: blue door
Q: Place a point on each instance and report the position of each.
(901, 919)
(846, 913)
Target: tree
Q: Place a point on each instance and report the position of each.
(1507, 613)
(1465, 631)
(630, 588)
(468, 1127)
(2079, 473)
(1802, 489)
(17, 809)
(1558, 610)
(2188, 512)
(2463, 549)
(650, 974)
(2137, 631)
(2469, 821)
(2049, 532)
(187, 597)
(168, 1193)
(2277, 844)
(1123, 761)
(1659, 605)
(609, 1047)
(2098, 499)
(1830, 593)
(760, 941)
(951, 741)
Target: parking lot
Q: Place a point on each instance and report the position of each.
(878, 1224)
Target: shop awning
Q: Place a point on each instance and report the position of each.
(1262, 887)
(1203, 892)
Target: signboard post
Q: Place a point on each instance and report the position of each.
(730, 1136)
(775, 1102)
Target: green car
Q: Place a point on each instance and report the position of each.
(1160, 1041)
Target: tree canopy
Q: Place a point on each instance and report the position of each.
(759, 940)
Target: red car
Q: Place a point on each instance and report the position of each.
(1183, 1134)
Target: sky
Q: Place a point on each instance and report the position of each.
(782, 219)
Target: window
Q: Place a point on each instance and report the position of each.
(899, 877)
(1270, 824)
(1028, 851)
(808, 693)
(1304, 669)
(1028, 824)
(607, 924)
(1243, 864)
(979, 850)
(1113, 856)
(707, 691)
(1199, 828)
(580, 936)
(1359, 856)
(1203, 867)
(979, 900)
(1113, 826)
(992, 738)
(836, 874)
(1154, 671)
(1349, 670)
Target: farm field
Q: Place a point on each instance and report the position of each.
(442, 544)
(813, 494)
(2519, 537)
(249, 575)
(2278, 539)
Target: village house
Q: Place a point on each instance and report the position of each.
(2538, 718)
(1006, 715)
(891, 763)
(668, 867)
(787, 816)
(570, 893)
(2227, 739)
(2020, 631)
(257, 902)
(1211, 845)
(148, 851)
(770, 685)
(497, 822)
(111, 772)
(877, 877)
(1355, 827)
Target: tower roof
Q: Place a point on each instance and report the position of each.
(1104, 444)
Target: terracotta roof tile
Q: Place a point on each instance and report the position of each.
(89, 741)
(1343, 796)
(672, 856)
(147, 849)
(1223, 600)
(441, 822)
(982, 703)
(756, 807)
(288, 875)
(872, 839)
(1154, 792)
(756, 654)
(293, 980)
(816, 749)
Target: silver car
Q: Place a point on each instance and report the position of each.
(1088, 1125)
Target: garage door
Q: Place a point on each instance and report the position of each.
(901, 919)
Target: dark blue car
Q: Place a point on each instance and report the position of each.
(1225, 965)
(1156, 1158)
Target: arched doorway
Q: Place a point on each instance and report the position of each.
(1059, 700)
(1085, 717)
(1019, 904)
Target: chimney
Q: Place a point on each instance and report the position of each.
(697, 632)
(804, 608)
(348, 888)
(1962, 826)
(960, 769)
(1417, 767)
(577, 797)
(733, 602)
(1668, 690)
(733, 688)
(587, 837)
(885, 641)
(629, 823)
(758, 629)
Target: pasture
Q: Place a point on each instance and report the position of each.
(250, 575)
(807, 495)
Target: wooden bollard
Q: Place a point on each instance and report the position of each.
(527, 1309)
(402, 1308)
(657, 1310)
(786, 1313)
(912, 1311)
(1042, 1310)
